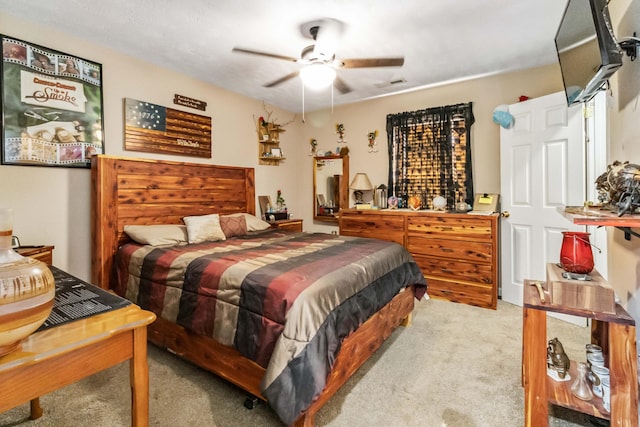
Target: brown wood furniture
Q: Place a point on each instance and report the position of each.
(139, 191)
(598, 217)
(615, 333)
(457, 253)
(288, 224)
(268, 140)
(61, 355)
(41, 253)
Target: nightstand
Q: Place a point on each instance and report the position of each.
(288, 224)
(41, 253)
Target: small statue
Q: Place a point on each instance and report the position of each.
(618, 187)
(557, 359)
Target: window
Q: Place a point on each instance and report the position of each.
(430, 155)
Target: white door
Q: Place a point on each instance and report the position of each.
(542, 167)
(596, 165)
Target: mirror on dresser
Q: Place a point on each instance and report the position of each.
(330, 186)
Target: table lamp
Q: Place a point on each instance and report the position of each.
(359, 184)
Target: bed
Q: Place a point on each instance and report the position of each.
(346, 294)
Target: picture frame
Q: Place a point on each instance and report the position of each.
(276, 152)
(52, 106)
(265, 203)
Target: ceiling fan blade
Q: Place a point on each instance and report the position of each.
(341, 85)
(270, 55)
(372, 62)
(282, 79)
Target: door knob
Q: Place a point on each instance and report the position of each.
(505, 214)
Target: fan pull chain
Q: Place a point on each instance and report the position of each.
(332, 99)
(302, 101)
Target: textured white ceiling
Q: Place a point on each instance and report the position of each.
(441, 41)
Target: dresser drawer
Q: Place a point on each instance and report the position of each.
(456, 271)
(458, 226)
(450, 248)
(376, 226)
(472, 294)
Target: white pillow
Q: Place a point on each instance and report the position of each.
(253, 222)
(204, 228)
(156, 235)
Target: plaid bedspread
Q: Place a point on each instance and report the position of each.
(285, 300)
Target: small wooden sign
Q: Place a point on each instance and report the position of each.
(185, 101)
(156, 129)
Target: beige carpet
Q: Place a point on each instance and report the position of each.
(456, 366)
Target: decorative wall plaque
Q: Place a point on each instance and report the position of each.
(185, 101)
(156, 129)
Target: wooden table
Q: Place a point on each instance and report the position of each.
(615, 333)
(61, 355)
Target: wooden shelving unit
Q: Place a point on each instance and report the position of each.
(268, 140)
(615, 333)
(600, 217)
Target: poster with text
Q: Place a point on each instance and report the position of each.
(51, 107)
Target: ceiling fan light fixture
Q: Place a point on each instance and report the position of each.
(317, 76)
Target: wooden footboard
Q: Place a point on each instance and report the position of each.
(229, 364)
(359, 346)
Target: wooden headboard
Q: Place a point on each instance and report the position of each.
(144, 192)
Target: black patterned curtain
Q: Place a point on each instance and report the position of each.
(430, 155)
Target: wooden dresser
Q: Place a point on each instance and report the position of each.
(42, 253)
(457, 253)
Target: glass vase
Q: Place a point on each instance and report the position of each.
(27, 290)
(575, 254)
(580, 387)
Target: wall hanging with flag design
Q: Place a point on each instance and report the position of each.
(156, 129)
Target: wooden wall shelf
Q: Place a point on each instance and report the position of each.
(600, 217)
(269, 139)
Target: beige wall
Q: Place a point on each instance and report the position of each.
(362, 118)
(624, 145)
(52, 204)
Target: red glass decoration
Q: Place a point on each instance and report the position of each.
(576, 255)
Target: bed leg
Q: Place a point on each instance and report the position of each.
(251, 402)
(306, 420)
(407, 320)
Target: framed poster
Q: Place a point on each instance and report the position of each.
(51, 107)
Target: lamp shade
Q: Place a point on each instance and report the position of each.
(361, 182)
(318, 75)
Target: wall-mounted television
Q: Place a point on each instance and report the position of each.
(587, 49)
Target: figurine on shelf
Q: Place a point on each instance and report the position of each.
(618, 187)
(373, 145)
(314, 147)
(557, 361)
(340, 132)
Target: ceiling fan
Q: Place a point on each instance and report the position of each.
(319, 59)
